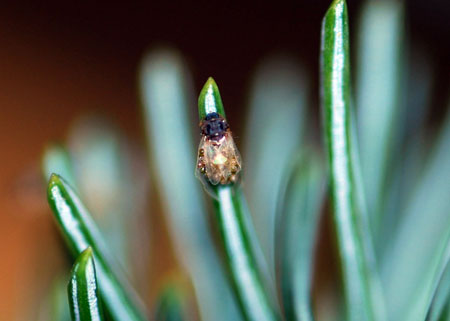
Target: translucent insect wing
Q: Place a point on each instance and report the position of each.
(218, 162)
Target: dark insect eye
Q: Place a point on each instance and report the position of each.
(214, 127)
(223, 125)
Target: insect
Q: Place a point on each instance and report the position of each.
(218, 159)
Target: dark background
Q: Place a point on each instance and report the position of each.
(58, 59)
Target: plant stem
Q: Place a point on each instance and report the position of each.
(80, 232)
(239, 256)
(361, 283)
(165, 85)
(277, 110)
(235, 238)
(209, 100)
(297, 229)
(378, 96)
(84, 300)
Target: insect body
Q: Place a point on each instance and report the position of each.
(218, 158)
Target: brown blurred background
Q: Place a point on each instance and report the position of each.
(60, 59)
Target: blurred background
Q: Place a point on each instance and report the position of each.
(62, 60)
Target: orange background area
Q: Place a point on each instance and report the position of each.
(46, 82)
